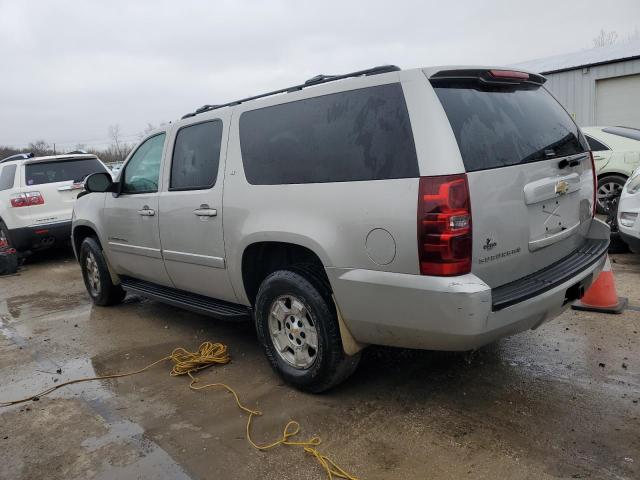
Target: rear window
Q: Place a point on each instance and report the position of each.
(61, 171)
(504, 126)
(362, 134)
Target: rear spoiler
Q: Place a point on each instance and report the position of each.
(59, 158)
(489, 76)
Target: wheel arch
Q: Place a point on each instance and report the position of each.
(261, 258)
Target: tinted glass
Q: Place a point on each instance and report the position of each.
(7, 174)
(143, 169)
(196, 155)
(503, 126)
(61, 171)
(595, 145)
(361, 134)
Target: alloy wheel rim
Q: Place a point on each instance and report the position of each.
(608, 190)
(93, 274)
(293, 332)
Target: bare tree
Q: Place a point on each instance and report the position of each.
(633, 36)
(40, 148)
(118, 148)
(604, 38)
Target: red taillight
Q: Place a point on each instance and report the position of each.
(509, 74)
(26, 199)
(444, 225)
(595, 183)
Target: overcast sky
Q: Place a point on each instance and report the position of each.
(72, 68)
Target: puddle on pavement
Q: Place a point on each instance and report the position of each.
(44, 302)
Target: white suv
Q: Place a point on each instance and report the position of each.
(37, 195)
(437, 208)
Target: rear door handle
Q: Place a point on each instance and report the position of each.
(205, 211)
(147, 212)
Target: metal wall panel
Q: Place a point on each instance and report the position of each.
(576, 89)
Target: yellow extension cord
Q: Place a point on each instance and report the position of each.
(187, 363)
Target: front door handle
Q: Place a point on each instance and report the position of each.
(205, 211)
(146, 211)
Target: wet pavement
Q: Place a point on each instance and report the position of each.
(559, 402)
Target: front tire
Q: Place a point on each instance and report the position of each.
(95, 274)
(298, 328)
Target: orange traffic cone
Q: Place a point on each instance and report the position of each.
(602, 296)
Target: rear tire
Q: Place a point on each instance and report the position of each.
(95, 274)
(298, 328)
(608, 185)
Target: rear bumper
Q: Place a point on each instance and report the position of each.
(40, 236)
(454, 313)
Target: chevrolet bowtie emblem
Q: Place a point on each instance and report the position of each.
(562, 187)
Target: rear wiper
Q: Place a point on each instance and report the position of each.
(574, 162)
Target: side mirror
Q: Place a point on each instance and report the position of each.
(99, 182)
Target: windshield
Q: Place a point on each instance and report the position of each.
(61, 171)
(503, 126)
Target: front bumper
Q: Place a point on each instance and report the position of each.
(454, 313)
(36, 237)
(631, 235)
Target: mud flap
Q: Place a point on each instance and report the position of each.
(349, 344)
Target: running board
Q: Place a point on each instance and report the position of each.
(189, 301)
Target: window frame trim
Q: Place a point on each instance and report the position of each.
(131, 155)
(173, 150)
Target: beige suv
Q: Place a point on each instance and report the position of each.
(438, 208)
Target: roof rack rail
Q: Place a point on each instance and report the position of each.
(318, 79)
(17, 156)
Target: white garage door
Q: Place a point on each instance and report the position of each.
(618, 101)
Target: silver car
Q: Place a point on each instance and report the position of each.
(437, 208)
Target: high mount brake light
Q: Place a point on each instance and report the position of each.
(509, 74)
(444, 225)
(26, 199)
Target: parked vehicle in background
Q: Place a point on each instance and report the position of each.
(436, 208)
(37, 195)
(628, 211)
(616, 151)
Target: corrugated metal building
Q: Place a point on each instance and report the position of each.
(600, 86)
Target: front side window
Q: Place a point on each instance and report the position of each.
(196, 156)
(362, 134)
(7, 175)
(595, 145)
(143, 170)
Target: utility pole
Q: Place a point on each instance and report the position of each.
(54, 148)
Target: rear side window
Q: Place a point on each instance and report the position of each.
(61, 171)
(196, 155)
(503, 126)
(7, 175)
(595, 145)
(362, 134)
